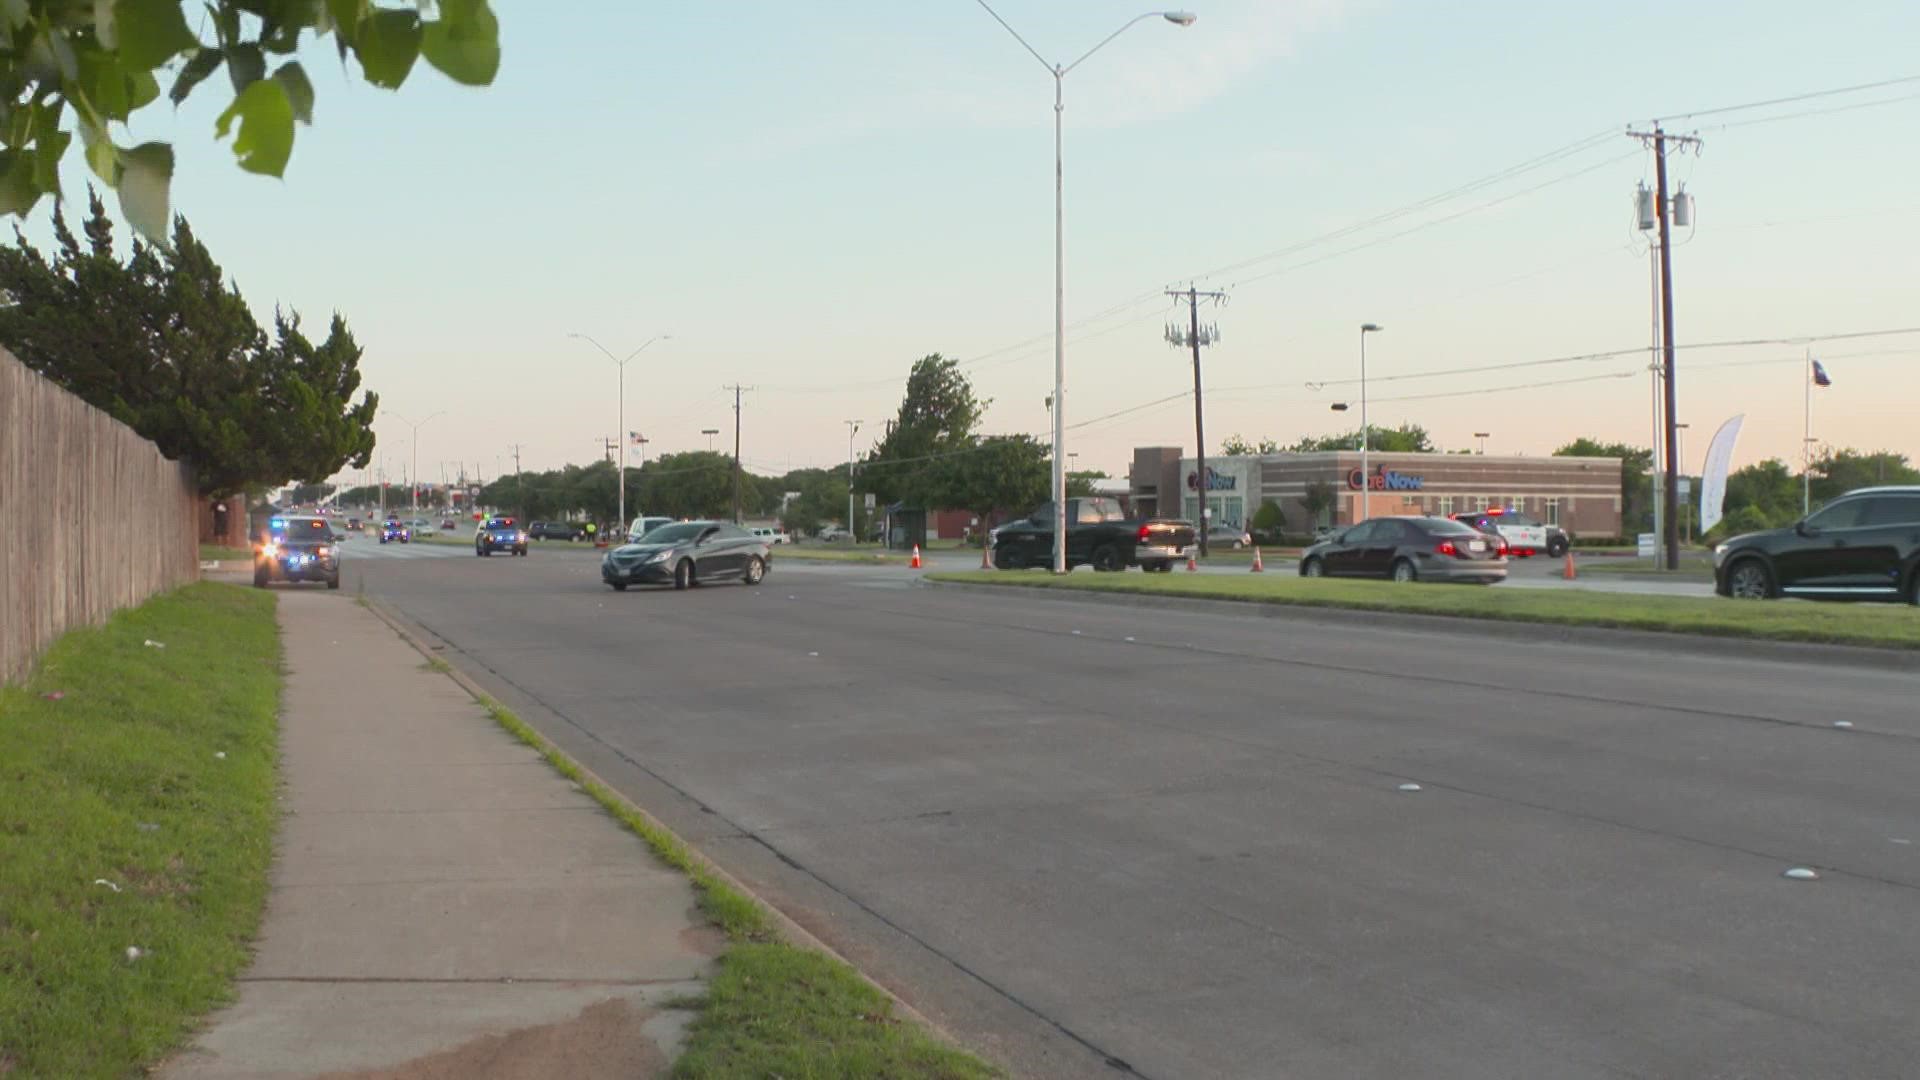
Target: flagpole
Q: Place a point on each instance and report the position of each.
(1806, 437)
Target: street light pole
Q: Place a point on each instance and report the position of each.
(1366, 434)
(852, 427)
(413, 484)
(1482, 436)
(1059, 73)
(621, 482)
(710, 432)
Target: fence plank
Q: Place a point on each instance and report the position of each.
(93, 518)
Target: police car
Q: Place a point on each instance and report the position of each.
(499, 534)
(391, 529)
(296, 549)
(1525, 535)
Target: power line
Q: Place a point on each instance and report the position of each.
(1815, 112)
(1809, 96)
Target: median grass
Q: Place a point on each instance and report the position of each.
(136, 812)
(1885, 625)
(869, 555)
(772, 1008)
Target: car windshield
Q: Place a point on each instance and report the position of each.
(676, 533)
(300, 531)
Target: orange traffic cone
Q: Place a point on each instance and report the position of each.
(1258, 566)
(1193, 563)
(916, 556)
(1568, 571)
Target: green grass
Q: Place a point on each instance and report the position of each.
(773, 1008)
(118, 780)
(861, 554)
(1692, 568)
(215, 552)
(1887, 625)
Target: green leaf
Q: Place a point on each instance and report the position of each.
(144, 182)
(204, 63)
(18, 192)
(265, 140)
(48, 150)
(345, 15)
(293, 78)
(387, 43)
(15, 12)
(464, 43)
(104, 30)
(105, 84)
(102, 156)
(151, 32)
(245, 66)
(142, 88)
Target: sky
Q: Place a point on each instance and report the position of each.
(809, 198)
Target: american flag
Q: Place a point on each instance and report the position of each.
(637, 438)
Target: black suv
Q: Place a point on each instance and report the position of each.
(557, 530)
(1864, 545)
(295, 549)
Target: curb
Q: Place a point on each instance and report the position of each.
(790, 931)
(1903, 661)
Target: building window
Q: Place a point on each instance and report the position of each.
(1446, 506)
(1553, 511)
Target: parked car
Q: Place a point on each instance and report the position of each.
(1525, 535)
(1232, 537)
(1098, 534)
(1408, 549)
(688, 553)
(557, 530)
(295, 549)
(1864, 545)
(769, 534)
(645, 524)
(448, 525)
(831, 533)
(499, 534)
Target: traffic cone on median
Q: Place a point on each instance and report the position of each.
(916, 556)
(1568, 571)
(1258, 566)
(1193, 563)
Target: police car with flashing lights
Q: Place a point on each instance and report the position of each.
(392, 530)
(1525, 535)
(295, 549)
(499, 534)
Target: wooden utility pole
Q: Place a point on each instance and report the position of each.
(1670, 497)
(737, 391)
(1194, 337)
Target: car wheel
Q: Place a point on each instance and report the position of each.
(1106, 559)
(683, 574)
(1150, 567)
(1313, 568)
(618, 586)
(260, 577)
(755, 570)
(1005, 560)
(1556, 548)
(1403, 570)
(1749, 579)
(478, 551)
(333, 582)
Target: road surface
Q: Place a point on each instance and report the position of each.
(1104, 841)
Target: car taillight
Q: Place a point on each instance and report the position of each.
(1445, 547)
(1145, 531)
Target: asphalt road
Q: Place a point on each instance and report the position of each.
(1104, 841)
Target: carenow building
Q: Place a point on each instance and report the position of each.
(1579, 494)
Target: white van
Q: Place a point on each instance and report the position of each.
(645, 524)
(770, 534)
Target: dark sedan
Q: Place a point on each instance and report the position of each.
(1864, 545)
(688, 553)
(1408, 549)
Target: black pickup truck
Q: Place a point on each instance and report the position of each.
(1098, 534)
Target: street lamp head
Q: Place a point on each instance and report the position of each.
(1179, 18)
(710, 431)
(1339, 406)
(1370, 328)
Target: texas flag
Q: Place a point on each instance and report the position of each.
(1820, 375)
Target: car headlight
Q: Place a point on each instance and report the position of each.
(1719, 554)
(269, 550)
(658, 556)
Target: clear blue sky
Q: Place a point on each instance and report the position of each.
(810, 197)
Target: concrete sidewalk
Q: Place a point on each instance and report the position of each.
(444, 904)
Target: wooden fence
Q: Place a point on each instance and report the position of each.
(93, 518)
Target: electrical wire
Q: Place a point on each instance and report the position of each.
(1836, 91)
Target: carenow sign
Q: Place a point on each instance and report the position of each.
(1384, 479)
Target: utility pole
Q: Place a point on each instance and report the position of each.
(1193, 336)
(519, 491)
(852, 427)
(1666, 212)
(737, 391)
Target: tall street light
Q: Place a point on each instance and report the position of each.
(414, 482)
(1366, 435)
(853, 534)
(1483, 436)
(622, 429)
(1059, 73)
(709, 432)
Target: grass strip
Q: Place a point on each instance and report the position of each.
(773, 1008)
(217, 553)
(1884, 625)
(879, 556)
(142, 754)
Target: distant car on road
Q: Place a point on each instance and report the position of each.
(1525, 535)
(353, 524)
(770, 535)
(448, 525)
(1864, 545)
(688, 553)
(557, 530)
(1408, 549)
(392, 530)
(499, 534)
(830, 533)
(295, 549)
(1098, 534)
